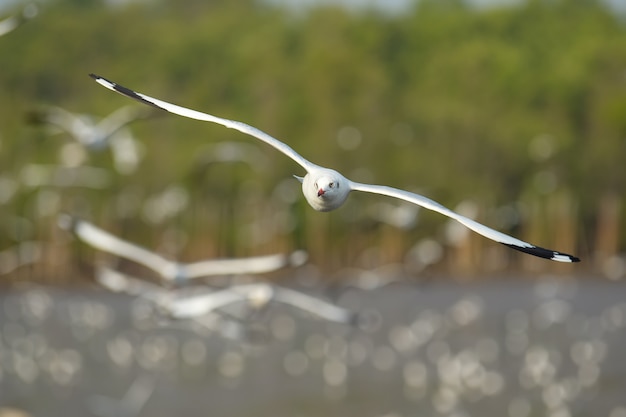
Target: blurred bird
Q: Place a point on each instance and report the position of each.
(326, 189)
(176, 272)
(13, 22)
(161, 300)
(259, 296)
(109, 132)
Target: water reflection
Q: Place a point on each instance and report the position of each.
(508, 349)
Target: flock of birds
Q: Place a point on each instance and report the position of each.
(177, 300)
(324, 189)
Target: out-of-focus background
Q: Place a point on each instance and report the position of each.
(509, 112)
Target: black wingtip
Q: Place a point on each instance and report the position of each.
(123, 90)
(545, 253)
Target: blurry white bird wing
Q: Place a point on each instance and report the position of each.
(13, 22)
(193, 114)
(105, 241)
(251, 265)
(117, 281)
(314, 305)
(9, 24)
(198, 305)
(76, 125)
(471, 224)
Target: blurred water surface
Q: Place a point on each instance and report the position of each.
(505, 347)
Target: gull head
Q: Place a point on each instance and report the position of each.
(325, 189)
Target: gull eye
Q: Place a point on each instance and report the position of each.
(315, 185)
(331, 185)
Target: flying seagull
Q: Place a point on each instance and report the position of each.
(258, 296)
(89, 133)
(13, 22)
(96, 135)
(326, 189)
(180, 304)
(163, 299)
(176, 272)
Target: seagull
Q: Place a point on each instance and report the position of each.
(259, 296)
(176, 272)
(198, 306)
(109, 132)
(326, 189)
(163, 298)
(13, 22)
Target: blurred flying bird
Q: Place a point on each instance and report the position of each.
(13, 22)
(259, 296)
(176, 272)
(161, 299)
(94, 136)
(326, 189)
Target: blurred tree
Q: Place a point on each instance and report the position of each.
(492, 105)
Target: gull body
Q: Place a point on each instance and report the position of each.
(326, 189)
(177, 272)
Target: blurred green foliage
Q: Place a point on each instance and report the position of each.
(497, 105)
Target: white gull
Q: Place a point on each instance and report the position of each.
(326, 189)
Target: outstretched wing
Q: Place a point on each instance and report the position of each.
(99, 239)
(250, 265)
(201, 304)
(471, 224)
(314, 306)
(193, 114)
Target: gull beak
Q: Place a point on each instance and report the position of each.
(320, 192)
